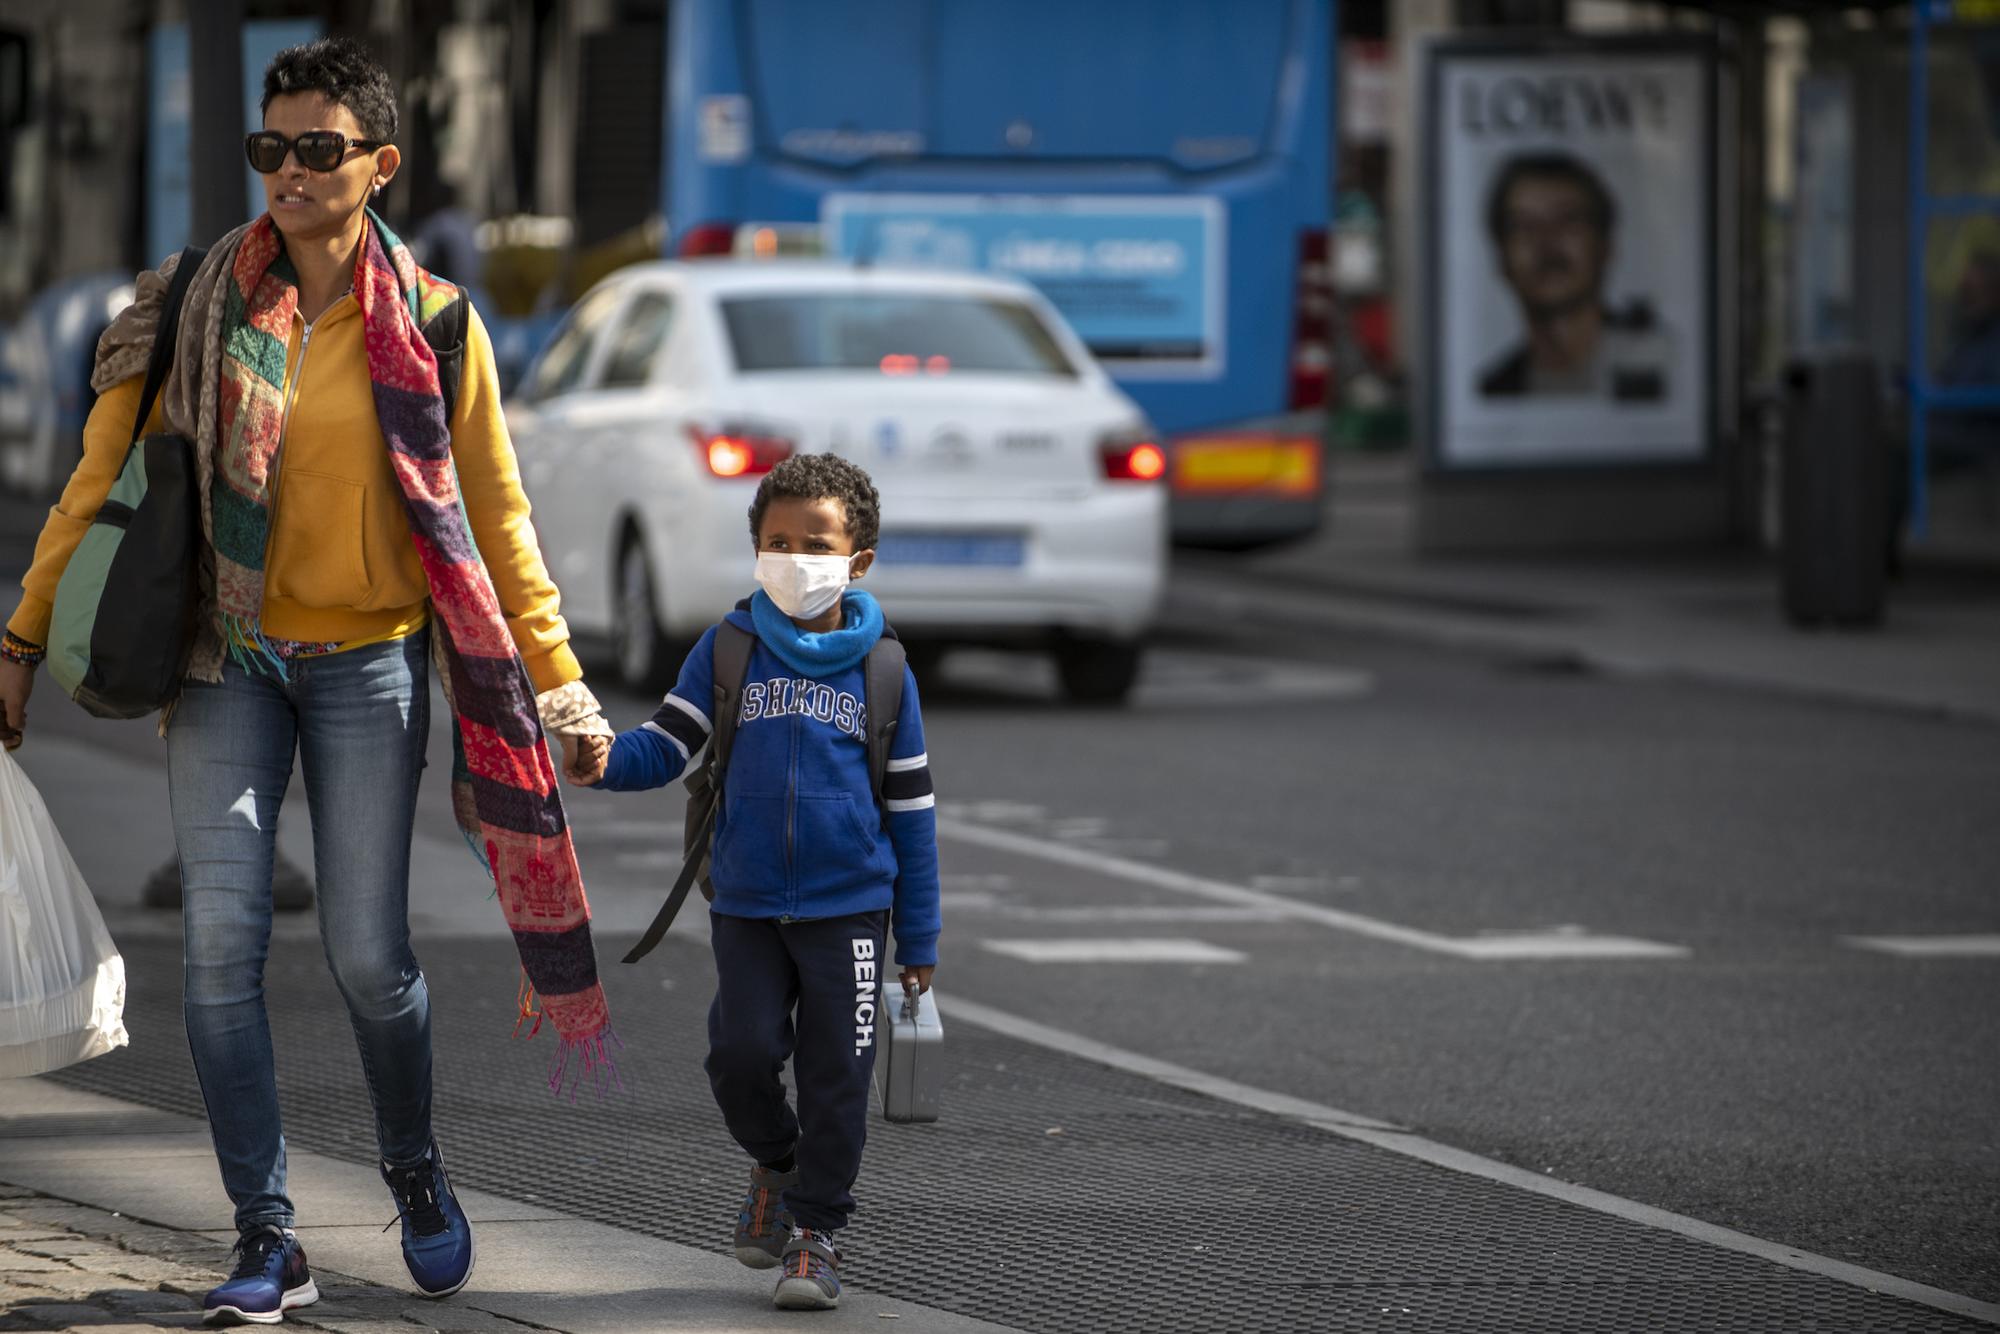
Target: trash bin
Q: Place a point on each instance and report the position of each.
(1837, 491)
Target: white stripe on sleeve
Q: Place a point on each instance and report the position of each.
(923, 803)
(650, 726)
(691, 711)
(904, 766)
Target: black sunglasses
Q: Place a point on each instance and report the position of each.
(318, 150)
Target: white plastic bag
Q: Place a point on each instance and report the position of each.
(62, 984)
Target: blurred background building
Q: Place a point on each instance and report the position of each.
(541, 141)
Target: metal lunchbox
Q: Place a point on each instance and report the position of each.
(912, 1070)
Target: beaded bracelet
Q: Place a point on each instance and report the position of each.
(16, 649)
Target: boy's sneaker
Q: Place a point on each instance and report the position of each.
(270, 1279)
(437, 1236)
(812, 1272)
(762, 1225)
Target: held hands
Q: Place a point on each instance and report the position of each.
(584, 758)
(570, 714)
(917, 979)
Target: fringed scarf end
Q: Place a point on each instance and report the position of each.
(251, 649)
(578, 1061)
(472, 841)
(526, 1007)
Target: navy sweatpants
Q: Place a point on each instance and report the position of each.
(804, 991)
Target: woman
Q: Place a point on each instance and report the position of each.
(354, 532)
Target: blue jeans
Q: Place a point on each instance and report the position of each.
(358, 722)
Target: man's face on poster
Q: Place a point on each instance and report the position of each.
(1976, 303)
(1553, 245)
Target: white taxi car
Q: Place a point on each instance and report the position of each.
(1022, 492)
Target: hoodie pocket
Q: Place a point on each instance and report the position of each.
(837, 849)
(750, 848)
(318, 553)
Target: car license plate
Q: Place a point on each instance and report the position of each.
(951, 549)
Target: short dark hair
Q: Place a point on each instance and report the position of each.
(822, 477)
(342, 69)
(1550, 167)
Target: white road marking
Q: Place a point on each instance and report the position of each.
(1931, 947)
(1114, 951)
(1512, 947)
(656, 830)
(1293, 884)
(1385, 1135)
(985, 884)
(993, 812)
(1118, 913)
(650, 861)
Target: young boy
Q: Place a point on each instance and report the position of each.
(806, 871)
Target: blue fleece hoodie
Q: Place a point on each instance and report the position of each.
(797, 835)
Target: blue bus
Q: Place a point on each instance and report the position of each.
(1161, 171)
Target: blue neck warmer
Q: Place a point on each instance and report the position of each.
(819, 654)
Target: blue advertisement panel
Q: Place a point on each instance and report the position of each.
(1139, 278)
(168, 212)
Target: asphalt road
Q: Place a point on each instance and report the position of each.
(1313, 855)
(1774, 1079)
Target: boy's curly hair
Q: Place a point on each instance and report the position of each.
(822, 477)
(342, 69)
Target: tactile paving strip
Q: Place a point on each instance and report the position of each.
(1055, 1195)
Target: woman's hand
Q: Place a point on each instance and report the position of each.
(570, 715)
(917, 979)
(585, 758)
(17, 681)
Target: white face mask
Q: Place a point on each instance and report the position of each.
(802, 586)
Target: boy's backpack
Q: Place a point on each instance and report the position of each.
(732, 645)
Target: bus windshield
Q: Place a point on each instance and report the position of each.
(896, 335)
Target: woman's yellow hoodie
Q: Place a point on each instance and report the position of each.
(341, 566)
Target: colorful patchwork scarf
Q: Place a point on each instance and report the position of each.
(504, 783)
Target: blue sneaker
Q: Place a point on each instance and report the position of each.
(270, 1279)
(437, 1236)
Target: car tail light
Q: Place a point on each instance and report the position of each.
(708, 238)
(908, 363)
(1312, 323)
(1133, 459)
(740, 454)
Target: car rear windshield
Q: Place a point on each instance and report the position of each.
(890, 334)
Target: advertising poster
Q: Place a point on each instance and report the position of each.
(1138, 278)
(1571, 235)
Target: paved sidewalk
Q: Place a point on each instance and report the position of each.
(1705, 616)
(68, 1266)
(111, 1218)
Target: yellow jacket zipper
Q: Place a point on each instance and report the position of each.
(284, 425)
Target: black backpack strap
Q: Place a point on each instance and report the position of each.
(730, 665)
(731, 668)
(162, 359)
(446, 334)
(664, 919)
(885, 706)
